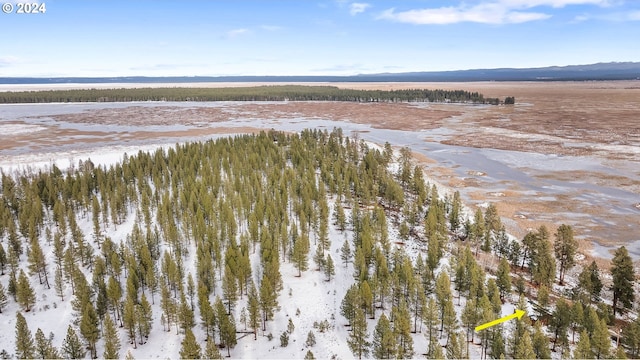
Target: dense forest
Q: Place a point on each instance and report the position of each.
(257, 93)
(213, 224)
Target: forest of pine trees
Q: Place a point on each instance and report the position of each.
(256, 93)
(239, 208)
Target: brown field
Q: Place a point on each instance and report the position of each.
(598, 121)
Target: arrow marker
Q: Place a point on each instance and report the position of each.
(518, 314)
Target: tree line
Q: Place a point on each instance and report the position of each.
(256, 93)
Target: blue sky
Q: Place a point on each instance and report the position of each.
(325, 37)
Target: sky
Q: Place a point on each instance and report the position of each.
(327, 37)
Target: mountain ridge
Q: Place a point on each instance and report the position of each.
(598, 71)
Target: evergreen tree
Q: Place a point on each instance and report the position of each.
(402, 331)
(504, 278)
(129, 319)
(309, 355)
(253, 306)
(357, 340)
(71, 346)
(565, 247)
(560, 321)
(524, 348)
(111, 340)
(89, 328)
(24, 292)
(540, 343)
(345, 253)
(329, 268)
(58, 283)
(44, 347)
(457, 346)
(144, 318)
(300, 252)
(498, 350)
(268, 300)
(600, 340)
(227, 327)
(25, 349)
(384, 341)
(623, 279)
(3, 298)
(190, 349)
(589, 281)
(311, 339)
(211, 351)
(583, 348)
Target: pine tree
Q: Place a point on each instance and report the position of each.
(268, 300)
(402, 331)
(111, 340)
(253, 306)
(300, 252)
(290, 326)
(44, 347)
(71, 346)
(583, 348)
(345, 253)
(357, 340)
(311, 339)
(3, 298)
(129, 319)
(457, 346)
(190, 349)
(524, 348)
(540, 343)
(25, 348)
(329, 268)
(560, 321)
(211, 351)
(504, 278)
(623, 279)
(89, 328)
(384, 341)
(600, 340)
(229, 288)
(58, 283)
(443, 294)
(309, 355)
(227, 327)
(144, 318)
(589, 281)
(565, 247)
(24, 292)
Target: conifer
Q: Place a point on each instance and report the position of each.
(111, 340)
(25, 349)
(71, 346)
(190, 349)
(25, 295)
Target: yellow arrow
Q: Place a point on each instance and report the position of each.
(518, 314)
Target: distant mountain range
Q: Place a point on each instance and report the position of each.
(599, 71)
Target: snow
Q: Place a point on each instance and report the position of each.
(315, 298)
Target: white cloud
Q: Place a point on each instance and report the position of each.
(522, 4)
(486, 12)
(634, 15)
(237, 32)
(8, 60)
(491, 13)
(357, 8)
